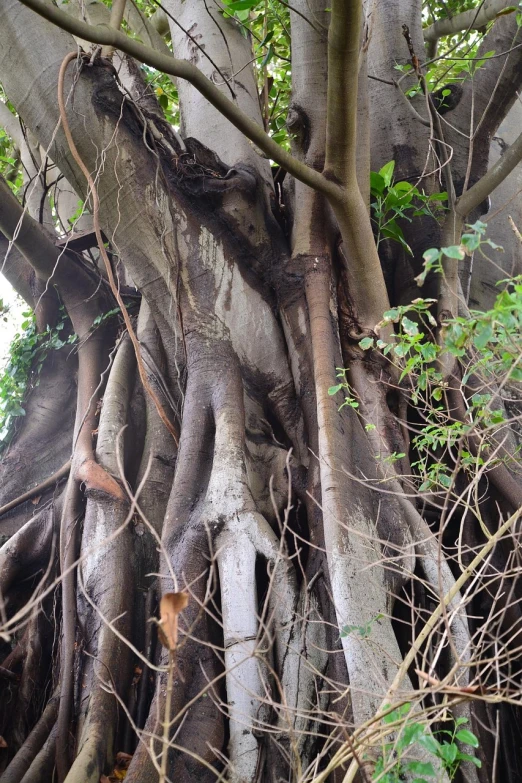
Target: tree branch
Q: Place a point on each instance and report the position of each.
(467, 20)
(80, 292)
(491, 180)
(16, 270)
(495, 85)
(38, 490)
(105, 36)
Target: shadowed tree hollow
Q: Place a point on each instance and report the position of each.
(259, 456)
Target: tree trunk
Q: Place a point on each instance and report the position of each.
(203, 447)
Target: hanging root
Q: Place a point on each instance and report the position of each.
(33, 744)
(106, 581)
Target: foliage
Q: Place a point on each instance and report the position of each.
(470, 242)
(489, 347)
(394, 201)
(267, 24)
(412, 736)
(27, 354)
(349, 398)
(363, 630)
(10, 168)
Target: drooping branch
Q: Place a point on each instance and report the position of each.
(79, 289)
(467, 20)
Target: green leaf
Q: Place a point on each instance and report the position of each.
(268, 56)
(406, 187)
(410, 327)
(429, 743)
(392, 315)
(438, 196)
(479, 226)
(377, 183)
(431, 256)
(474, 760)
(366, 343)
(453, 251)
(241, 5)
(387, 172)
(428, 351)
(448, 752)
(471, 241)
(467, 737)
(421, 768)
(411, 733)
(335, 389)
(482, 336)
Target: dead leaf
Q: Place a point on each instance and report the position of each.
(171, 605)
(36, 500)
(3, 743)
(104, 779)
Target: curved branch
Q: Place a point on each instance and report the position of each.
(491, 180)
(467, 20)
(80, 292)
(105, 36)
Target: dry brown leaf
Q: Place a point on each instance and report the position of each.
(104, 779)
(36, 500)
(171, 605)
(3, 743)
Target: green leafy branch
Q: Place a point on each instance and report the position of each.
(394, 201)
(443, 745)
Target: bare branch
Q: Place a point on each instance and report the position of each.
(467, 20)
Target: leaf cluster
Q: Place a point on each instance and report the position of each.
(394, 201)
(27, 354)
(444, 745)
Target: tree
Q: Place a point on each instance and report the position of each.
(247, 387)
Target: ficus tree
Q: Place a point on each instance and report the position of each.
(259, 471)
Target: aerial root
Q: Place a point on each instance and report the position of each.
(105, 579)
(33, 744)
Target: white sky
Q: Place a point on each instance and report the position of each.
(14, 317)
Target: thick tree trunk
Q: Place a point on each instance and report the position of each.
(262, 498)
